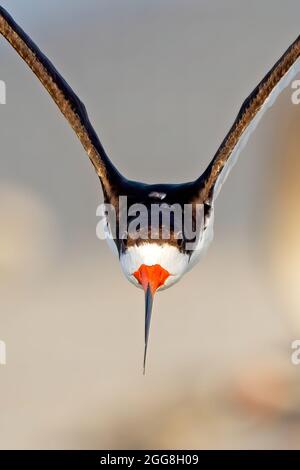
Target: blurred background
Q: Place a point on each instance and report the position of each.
(162, 82)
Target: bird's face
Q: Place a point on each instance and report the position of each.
(154, 256)
(152, 267)
(159, 264)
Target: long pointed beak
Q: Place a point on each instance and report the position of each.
(148, 312)
(150, 278)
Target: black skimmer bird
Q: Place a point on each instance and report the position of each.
(150, 259)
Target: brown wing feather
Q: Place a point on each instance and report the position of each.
(248, 111)
(67, 101)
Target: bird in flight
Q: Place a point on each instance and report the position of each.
(155, 255)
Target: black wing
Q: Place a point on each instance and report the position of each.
(253, 108)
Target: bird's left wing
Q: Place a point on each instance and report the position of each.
(262, 97)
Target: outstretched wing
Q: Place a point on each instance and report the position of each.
(253, 108)
(65, 98)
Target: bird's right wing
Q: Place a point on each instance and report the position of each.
(65, 98)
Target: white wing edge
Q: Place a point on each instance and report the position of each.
(281, 85)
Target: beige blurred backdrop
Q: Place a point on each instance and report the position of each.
(162, 81)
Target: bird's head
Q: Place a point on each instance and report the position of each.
(157, 242)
